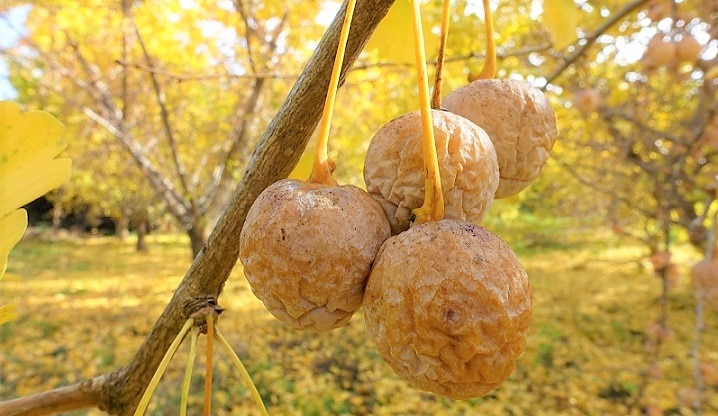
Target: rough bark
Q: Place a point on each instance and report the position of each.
(65, 399)
(278, 152)
(197, 238)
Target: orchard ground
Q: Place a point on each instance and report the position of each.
(87, 303)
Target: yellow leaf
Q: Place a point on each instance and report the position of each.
(12, 227)
(7, 313)
(561, 19)
(393, 41)
(29, 143)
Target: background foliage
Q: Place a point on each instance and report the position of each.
(164, 101)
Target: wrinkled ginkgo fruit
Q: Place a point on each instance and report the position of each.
(518, 119)
(448, 305)
(688, 49)
(394, 168)
(307, 249)
(704, 279)
(586, 101)
(660, 51)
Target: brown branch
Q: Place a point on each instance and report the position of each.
(65, 399)
(279, 150)
(166, 125)
(590, 39)
(219, 192)
(608, 113)
(203, 77)
(456, 58)
(248, 31)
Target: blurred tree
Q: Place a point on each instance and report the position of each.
(156, 87)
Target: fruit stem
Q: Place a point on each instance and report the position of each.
(188, 370)
(145, 400)
(243, 371)
(489, 69)
(207, 409)
(433, 207)
(436, 97)
(323, 167)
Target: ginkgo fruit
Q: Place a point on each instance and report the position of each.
(448, 306)
(704, 279)
(658, 10)
(686, 396)
(709, 373)
(710, 136)
(307, 249)
(660, 51)
(586, 100)
(394, 168)
(519, 121)
(688, 49)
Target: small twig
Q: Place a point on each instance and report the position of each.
(590, 39)
(445, 18)
(203, 77)
(456, 58)
(167, 126)
(695, 354)
(247, 32)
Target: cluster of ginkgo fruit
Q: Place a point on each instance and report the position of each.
(446, 302)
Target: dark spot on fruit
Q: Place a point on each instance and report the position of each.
(283, 233)
(450, 315)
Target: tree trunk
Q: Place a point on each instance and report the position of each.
(197, 238)
(141, 221)
(142, 228)
(57, 213)
(122, 226)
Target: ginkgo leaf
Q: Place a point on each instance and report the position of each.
(29, 143)
(7, 313)
(561, 19)
(393, 40)
(12, 227)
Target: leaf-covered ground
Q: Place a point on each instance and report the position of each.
(86, 304)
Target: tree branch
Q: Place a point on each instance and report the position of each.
(76, 396)
(165, 117)
(590, 39)
(219, 192)
(197, 77)
(279, 150)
